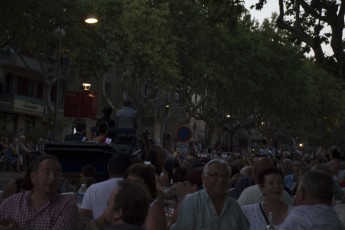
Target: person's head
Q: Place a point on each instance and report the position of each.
(88, 171)
(127, 101)
(118, 164)
(296, 165)
(4, 140)
(260, 164)
(22, 138)
(107, 110)
(156, 156)
(334, 166)
(128, 204)
(179, 175)
(25, 182)
(169, 165)
(193, 181)
(103, 127)
(286, 166)
(271, 182)
(286, 154)
(216, 177)
(80, 126)
(315, 187)
(188, 161)
(46, 175)
(322, 167)
(247, 171)
(144, 173)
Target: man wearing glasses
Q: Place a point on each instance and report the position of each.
(211, 207)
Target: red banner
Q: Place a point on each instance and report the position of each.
(80, 104)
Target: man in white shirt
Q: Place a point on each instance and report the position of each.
(314, 204)
(211, 208)
(96, 196)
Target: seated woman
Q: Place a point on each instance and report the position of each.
(271, 184)
(87, 176)
(155, 219)
(145, 174)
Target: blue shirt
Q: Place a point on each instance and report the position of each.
(197, 212)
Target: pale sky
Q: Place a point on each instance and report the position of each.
(266, 12)
(270, 7)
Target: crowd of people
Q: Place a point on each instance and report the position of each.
(285, 191)
(16, 152)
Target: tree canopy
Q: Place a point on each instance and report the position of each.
(315, 23)
(212, 51)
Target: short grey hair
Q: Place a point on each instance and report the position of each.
(218, 161)
(318, 184)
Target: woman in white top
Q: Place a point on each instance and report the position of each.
(271, 184)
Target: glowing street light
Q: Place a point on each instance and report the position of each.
(91, 19)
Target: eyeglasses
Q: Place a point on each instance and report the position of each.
(215, 175)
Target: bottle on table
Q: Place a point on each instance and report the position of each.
(80, 193)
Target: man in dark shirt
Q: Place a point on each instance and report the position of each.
(80, 134)
(107, 111)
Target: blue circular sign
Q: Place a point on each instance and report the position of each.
(183, 134)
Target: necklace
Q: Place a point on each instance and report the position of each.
(279, 211)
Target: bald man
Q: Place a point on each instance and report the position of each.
(314, 204)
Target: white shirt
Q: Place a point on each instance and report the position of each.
(197, 212)
(253, 194)
(256, 218)
(96, 196)
(313, 217)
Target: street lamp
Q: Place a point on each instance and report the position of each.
(86, 86)
(89, 20)
(166, 112)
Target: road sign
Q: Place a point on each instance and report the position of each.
(183, 134)
(182, 147)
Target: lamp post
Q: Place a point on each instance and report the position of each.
(89, 20)
(165, 138)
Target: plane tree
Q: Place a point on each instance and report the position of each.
(313, 24)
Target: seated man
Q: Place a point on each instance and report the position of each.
(80, 134)
(42, 207)
(314, 204)
(211, 208)
(96, 196)
(127, 208)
